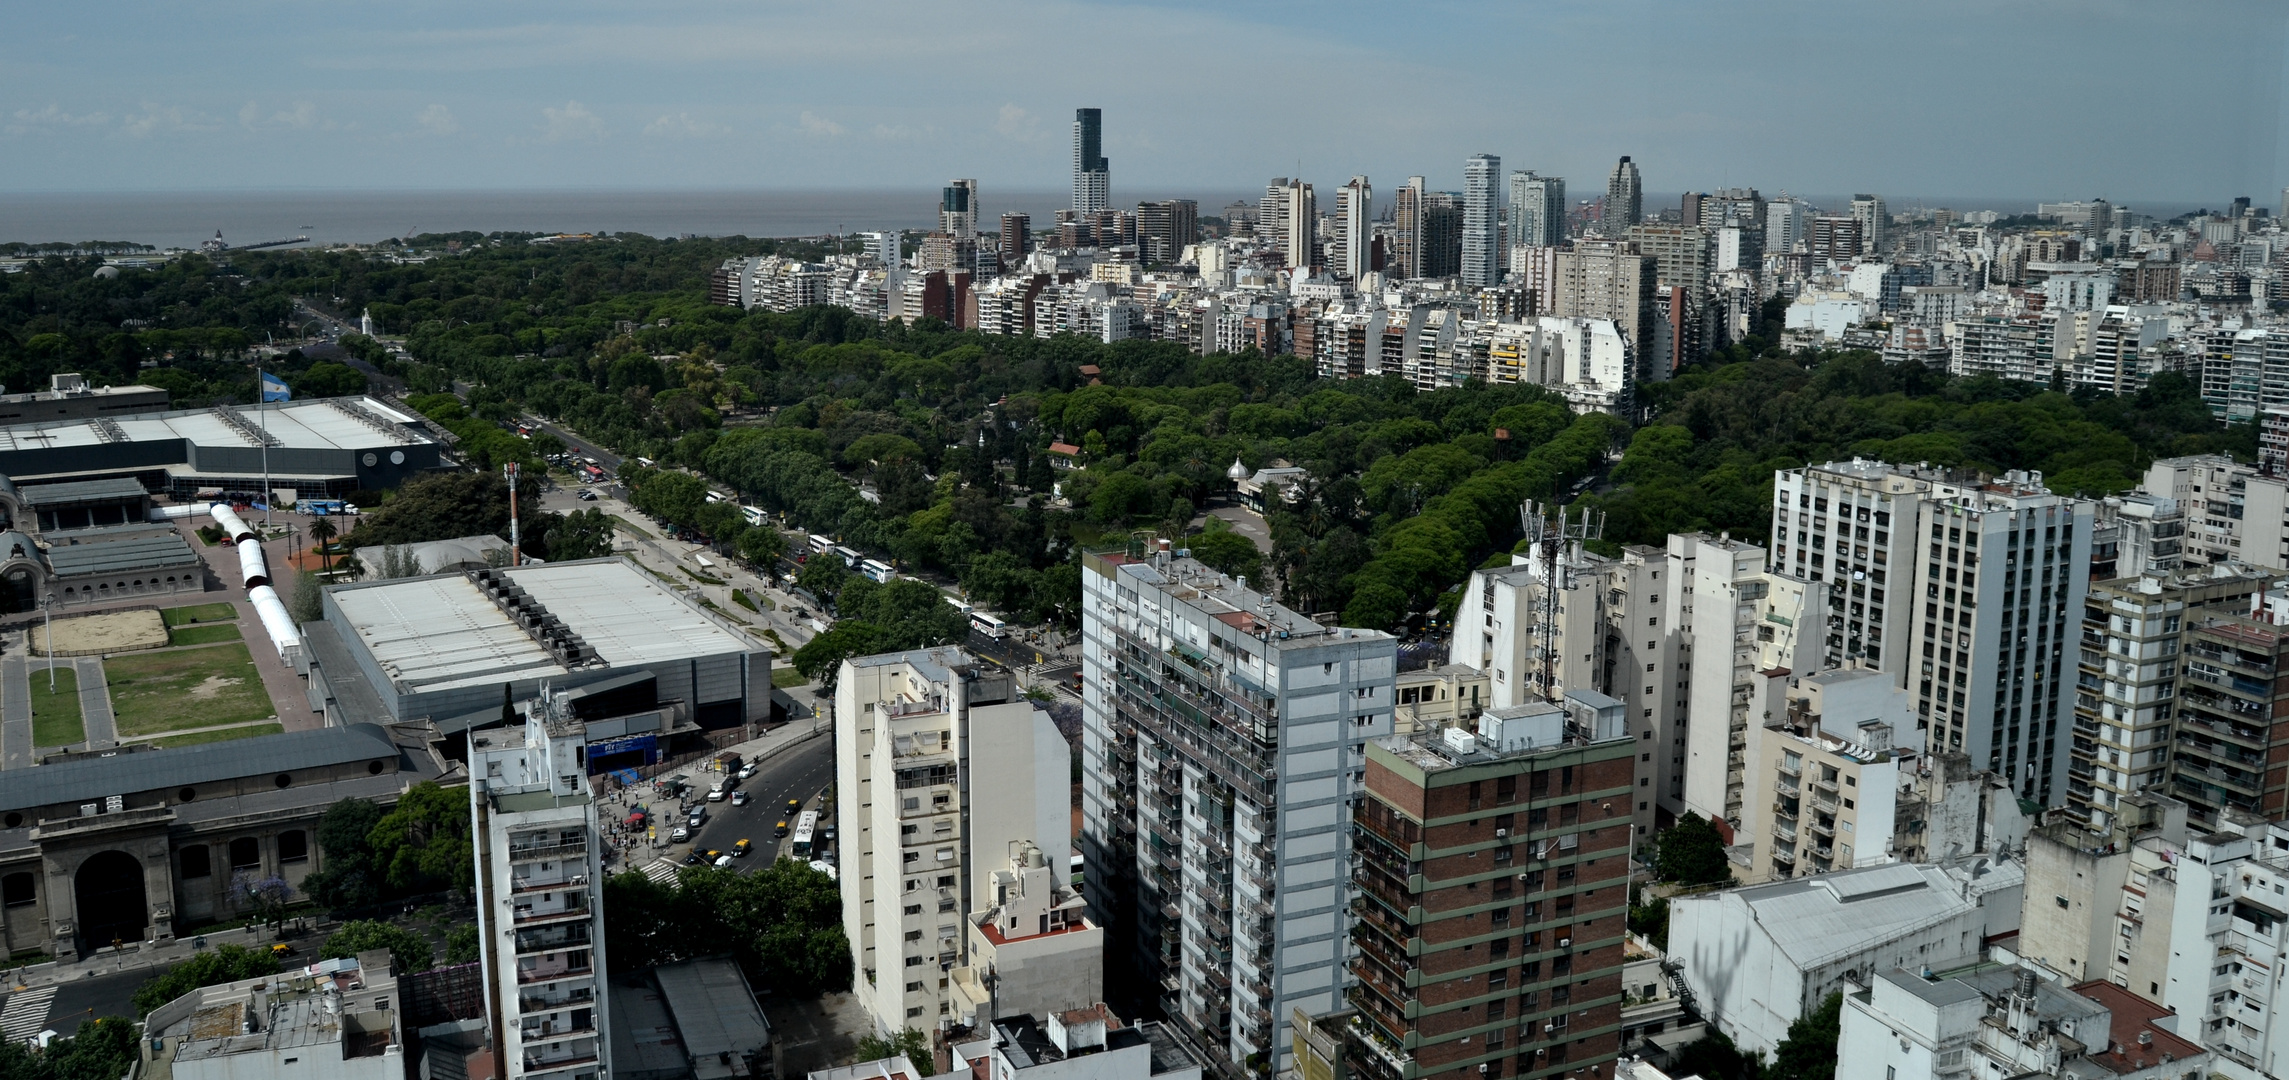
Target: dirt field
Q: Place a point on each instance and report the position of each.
(106, 631)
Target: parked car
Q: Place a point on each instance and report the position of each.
(738, 798)
(680, 835)
(715, 795)
(698, 816)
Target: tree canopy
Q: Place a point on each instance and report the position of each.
(222, 964)
(409, 952)
(783, 922)
(1691, 853)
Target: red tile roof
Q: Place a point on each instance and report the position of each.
(2134, 1016)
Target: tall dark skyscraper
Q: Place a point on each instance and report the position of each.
(1092, 174)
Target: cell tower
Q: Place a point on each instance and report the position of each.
(1555, 538)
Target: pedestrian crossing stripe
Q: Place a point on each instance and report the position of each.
(26, 1013)
(662, 871)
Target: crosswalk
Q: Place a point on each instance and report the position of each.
(662, 871)
(25, 1014)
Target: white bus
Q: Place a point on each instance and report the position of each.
(958, 603)
(989, 624)
(850, 556)
(877, 571)
(753, 514)
(799, 845)
(820, 545)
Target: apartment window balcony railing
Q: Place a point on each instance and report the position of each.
(1787, 788)
(528, 977)
(558, 851)
(539, 1003)
(558, 1029)
(552, 938)
(526, 916)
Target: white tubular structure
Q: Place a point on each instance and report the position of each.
(172, 513)
(256, 570)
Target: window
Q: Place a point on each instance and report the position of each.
(196, 862)
(293, 846)
(17, 890)
(246, 853)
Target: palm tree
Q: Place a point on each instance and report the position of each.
(322, 531)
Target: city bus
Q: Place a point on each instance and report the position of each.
(989, 624)
(849, 555)
(877, 571)
(800, 844)
(820, 545)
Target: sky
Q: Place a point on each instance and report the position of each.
(2178, 103)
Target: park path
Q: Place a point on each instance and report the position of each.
(95, 704)
(15, 714)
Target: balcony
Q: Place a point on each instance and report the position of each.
(560, 1029)
(530, 916)
(528, 1004)
(552, 938)
(1787, 788)
(554, 1062)
(527, 977)
(559, 851)
(1784, 833)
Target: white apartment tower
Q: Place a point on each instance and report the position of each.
(539, 876)
(1624, 199)
(1849, 525)
(1223, 740)
(2001, 574)
(1481, 221)
(1735, 621)
(958, 210)
(1537, 210)
(940, 775)
(1355, 224)
(1875, 222)
(1299, 224)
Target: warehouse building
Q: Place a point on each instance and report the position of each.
(444, 646)
(324, 447)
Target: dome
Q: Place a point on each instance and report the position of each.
(1237, 472)
(107, 272)
(15, 545)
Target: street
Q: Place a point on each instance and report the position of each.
(799, 772)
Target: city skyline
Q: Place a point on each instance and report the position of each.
(586, 97)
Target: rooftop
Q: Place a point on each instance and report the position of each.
(361, 423)
(120, 549)
(1814, 920)
(83, 491)
(713, 1008)
(2139, 1042)
(1230, 602)
(440, 632)
(90, 779)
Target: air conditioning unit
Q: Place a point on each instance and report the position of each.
(1501, 832)
(1549, 1029)
(1565, 941)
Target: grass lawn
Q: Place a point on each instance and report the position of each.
(56, 717)
(224, 735)
(204, 635)
(177, 616)
(786, 678)
(187, 688)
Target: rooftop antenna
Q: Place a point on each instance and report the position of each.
(1549, 530)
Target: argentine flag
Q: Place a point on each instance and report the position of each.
(274, 388)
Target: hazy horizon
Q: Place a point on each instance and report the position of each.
(2012, 101)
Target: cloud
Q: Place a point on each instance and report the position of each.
(303, 115)
(814, 124)
(27, 120)
(682, 126)
(438, 120)
(1016, 123)
(159, 119)
(571, 123)
(901, 133)
(249, 114)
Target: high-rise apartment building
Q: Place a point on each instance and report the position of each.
(2000, 578)
(1439, 246)
(1355, 228)
(1405, 258)
(539, 875)
(1682, 257)
(1298, 222)
(1830, 760)
(941, 771)
(1223, 742)
(1537, 209)
(1165, 229)
(1744, 205)
(1836, 238)
(2230, 753)
(1492, 870)
(1608, 279)
(2131, 650)
(1016, 238)
(958, 210)
(1624, 198)
(1482, 221)
(1850, 526)
(1784, 221)
(1734, 620)
(1875, 223)
(1092, 174)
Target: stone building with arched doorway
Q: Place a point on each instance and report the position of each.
(138, 845)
